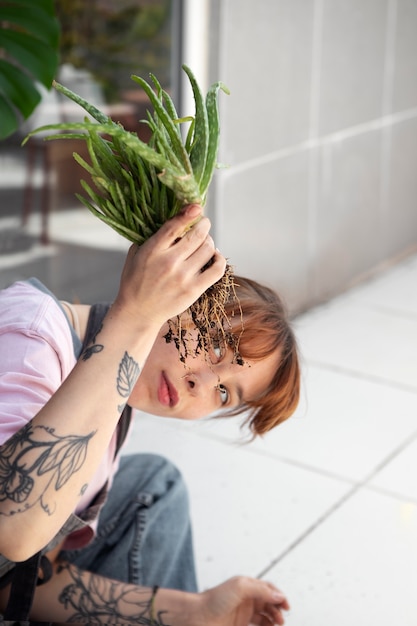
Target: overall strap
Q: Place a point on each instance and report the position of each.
(94, 323)
(95, 320)
(23, 578)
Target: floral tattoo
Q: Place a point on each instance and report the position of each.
(97, 600)
(38, 454)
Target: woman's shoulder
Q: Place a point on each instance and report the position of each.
(37, 353)
(28, 307)
(25, 303)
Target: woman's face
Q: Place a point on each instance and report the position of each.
(200, 386)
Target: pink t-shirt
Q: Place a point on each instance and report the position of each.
(37, 354)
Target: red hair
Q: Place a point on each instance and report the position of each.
(266, 330)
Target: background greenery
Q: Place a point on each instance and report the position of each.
(29, 55)
(112, 40)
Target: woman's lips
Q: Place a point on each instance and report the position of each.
(167, 394)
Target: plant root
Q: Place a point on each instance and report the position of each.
(211, 325)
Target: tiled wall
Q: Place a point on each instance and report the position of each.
(320, 135)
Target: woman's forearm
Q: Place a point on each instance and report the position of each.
(46, 466)
(73, 595)
(77, 596)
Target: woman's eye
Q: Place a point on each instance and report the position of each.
(224, 394)
(216, 351)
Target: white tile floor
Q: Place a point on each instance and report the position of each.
(326, 505)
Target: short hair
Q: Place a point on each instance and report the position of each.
(266, 330)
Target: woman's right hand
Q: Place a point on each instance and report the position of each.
(163, 277)
(242, 601)
(239, 601)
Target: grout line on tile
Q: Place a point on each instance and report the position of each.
(304, 466)
(310, 529)
(332, 138)
(241, 445)
(391, 312)
(372, 378)
(316, 54)
(390, 457)
(313, 157)
(347, 496)
(270, 455)
(392, 494)
(389, 60)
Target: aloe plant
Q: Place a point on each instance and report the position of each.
(138, 185)
(29, 41)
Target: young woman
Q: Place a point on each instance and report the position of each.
(64, 409)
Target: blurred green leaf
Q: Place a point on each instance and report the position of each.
(29, 42)
(33, 19)
(19, 87)
(9, 121)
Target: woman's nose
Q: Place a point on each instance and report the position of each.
(190, 381)
(202, 380)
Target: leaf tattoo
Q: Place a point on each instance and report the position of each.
(127, 375)
(37, 454)
(66, 457)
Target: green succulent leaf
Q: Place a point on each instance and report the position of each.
(140, 185)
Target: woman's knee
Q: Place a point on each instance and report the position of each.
(152, 473)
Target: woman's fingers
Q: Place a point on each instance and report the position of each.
(269, 602)
(271, 612)
(178, 226)
(165, 274)
(184, 235)
(195, 247)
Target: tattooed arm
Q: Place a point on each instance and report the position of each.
(74, 595)
(45, 466)
(77, 596)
